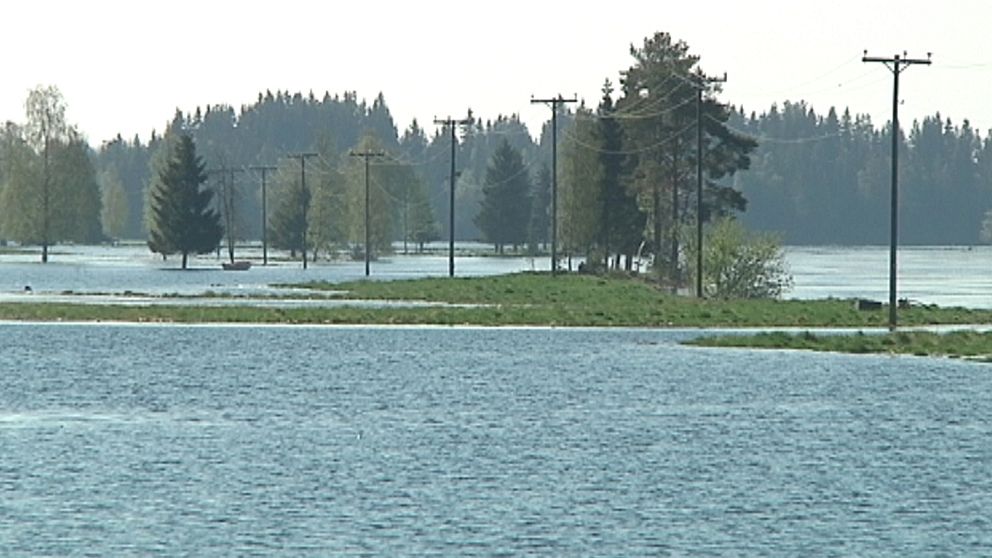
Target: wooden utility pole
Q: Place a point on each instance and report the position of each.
(367, 155)
(554, 102)
(304, 198)
(450, 123)
(701, 82)
(265, 213)
(896, 65)
(227, 202)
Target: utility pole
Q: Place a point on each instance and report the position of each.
(554, 102)
(265, 213)
(450, 123)
(701, 82)
(227, 202)
(367, 155)
(304, 197)
(896, 65)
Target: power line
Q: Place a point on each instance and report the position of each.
(304, 197)
(554, 102)
(450, 123)
(896, 65)
(784, 141)
(641, 103)
(640, 115)
(802, 84)
(574, 138)
(367, 155)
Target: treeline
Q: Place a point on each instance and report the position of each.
(826, 178)
(282, 124)
(627, 169)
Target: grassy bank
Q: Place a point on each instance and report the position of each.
(957, 344)
(519, 299)
(580, 300)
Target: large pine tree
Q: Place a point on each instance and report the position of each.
(182, 218)
(658, 103)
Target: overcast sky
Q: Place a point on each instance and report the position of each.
(125, 66)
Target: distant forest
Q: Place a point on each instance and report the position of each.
(280, 124)
(814, 178)
(826, 178)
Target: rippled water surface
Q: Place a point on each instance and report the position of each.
(293, 441)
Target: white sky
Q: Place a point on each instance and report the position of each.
(125, 66)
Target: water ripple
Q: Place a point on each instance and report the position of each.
(259, 441)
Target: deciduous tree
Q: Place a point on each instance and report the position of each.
(115, 212)
(46, 127)
(738, 263)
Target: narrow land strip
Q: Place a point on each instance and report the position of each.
(972, 345)
(565, 301)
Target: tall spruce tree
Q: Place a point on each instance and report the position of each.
(505, 211)
(622, 225)
(182, 218)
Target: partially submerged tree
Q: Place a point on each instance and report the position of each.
(48, 186)
(183, 220)
(287, 222)
(416, 216)
(381, 206)
(325, 219)
(75, 206)
(422, 227)
(46, 127)
(505, 212)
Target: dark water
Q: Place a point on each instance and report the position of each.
(290, 441)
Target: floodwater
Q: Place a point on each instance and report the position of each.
(947, 276)
(129, 440)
